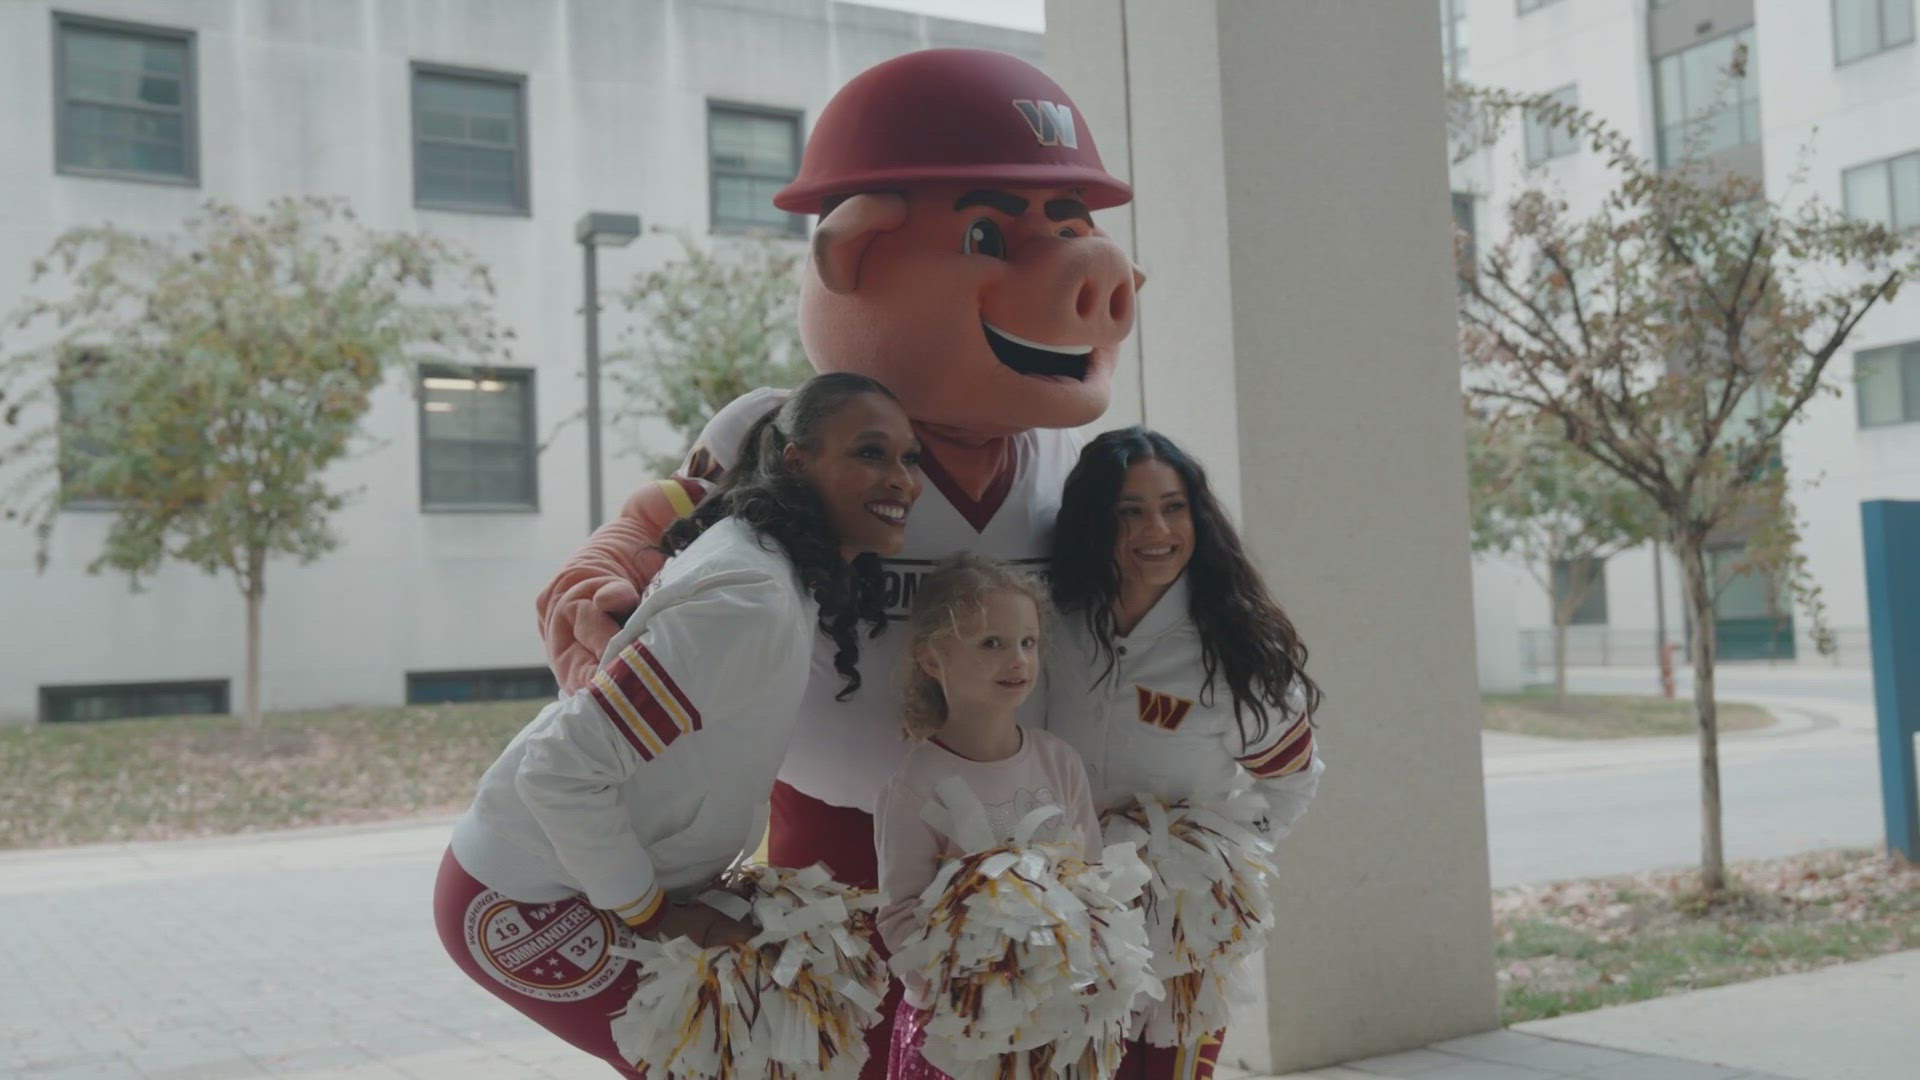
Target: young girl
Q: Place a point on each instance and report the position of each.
(974, 651)
(1175, 674)
(615, 806)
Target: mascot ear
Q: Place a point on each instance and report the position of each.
(844, 234)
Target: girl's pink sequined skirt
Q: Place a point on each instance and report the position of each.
(903, 1059)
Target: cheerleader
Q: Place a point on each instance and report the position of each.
(618, 803)
(974, 648)
(1179, 679)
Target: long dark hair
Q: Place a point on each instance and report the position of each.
(764, 492)
(1244, 635)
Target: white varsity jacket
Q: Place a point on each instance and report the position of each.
(1144, 728)
(654, 777)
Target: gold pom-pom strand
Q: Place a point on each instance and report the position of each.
(1032, 958)
(793, 1003)
(1207, 907)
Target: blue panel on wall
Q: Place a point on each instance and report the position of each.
(1892, 533)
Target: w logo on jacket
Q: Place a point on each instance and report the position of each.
(1162, 710)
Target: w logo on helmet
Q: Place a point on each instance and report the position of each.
(1052, 123)
(1162, 710)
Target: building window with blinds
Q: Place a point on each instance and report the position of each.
(1886, 385)
(469, 141)
(1705, 102)
(1545, 140)
(751, 154)
(476, 439)
(1453, 38)
(124, 96)
(1884, 192)
(1862, 28)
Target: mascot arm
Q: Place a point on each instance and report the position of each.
(599, 585)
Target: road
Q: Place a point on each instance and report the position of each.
(1555, 811)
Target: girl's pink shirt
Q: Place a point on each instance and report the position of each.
(1045, 771)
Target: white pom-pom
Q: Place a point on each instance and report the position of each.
(1033, 959)
(792, 1004)
(1207, 906)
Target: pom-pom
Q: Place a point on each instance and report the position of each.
(1207, 904)
(1033, 959)
(794, 1003)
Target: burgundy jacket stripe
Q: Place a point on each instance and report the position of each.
(1285, 761)
(619, 724)
(666, 680)
(642, 699)
(695, 490)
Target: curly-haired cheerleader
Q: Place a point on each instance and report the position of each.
(1179, 680)
(617, 805)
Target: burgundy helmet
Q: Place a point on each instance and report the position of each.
(949, 115)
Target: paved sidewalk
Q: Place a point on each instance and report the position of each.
(313, 955)
(1514, 1055)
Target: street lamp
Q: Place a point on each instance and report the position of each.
(597, 229)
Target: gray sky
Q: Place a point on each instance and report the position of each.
(1019, 14)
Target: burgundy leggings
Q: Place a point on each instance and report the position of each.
(550, 961)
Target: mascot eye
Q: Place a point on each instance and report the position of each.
(984, 238)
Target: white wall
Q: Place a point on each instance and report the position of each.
(312, 98)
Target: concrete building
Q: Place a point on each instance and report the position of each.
(1826, 110)
(493, 123)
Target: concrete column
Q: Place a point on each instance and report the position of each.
(1292, 210)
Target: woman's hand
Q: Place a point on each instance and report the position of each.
(701, 925)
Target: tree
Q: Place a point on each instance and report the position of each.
(718, 322)
(202, 383)
(1533, 496)
(1672, 335)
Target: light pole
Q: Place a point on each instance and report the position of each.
(597, 229)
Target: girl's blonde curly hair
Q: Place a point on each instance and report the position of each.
(960, 582)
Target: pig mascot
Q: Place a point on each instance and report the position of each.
(957, 262)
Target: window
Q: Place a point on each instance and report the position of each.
(1887, 191)
(1453, 38)
(1864, 27)
(1592, 610)
(498, 684)
(1703, 107)
(83, 400)
(469, 141)
(125, 101)
(1548, 141)
(1887, 384)
(752, 153)
(1466, 254)
(121, 701)
(1533, 5)
(476, 439)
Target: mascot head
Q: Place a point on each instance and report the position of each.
(956, 258)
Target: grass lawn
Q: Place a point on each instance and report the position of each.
(1580, 945)
(1606, 716)
(151, 779)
